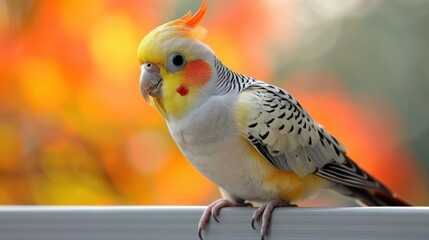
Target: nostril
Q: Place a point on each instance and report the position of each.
(150, 67)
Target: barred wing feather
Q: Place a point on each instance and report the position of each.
(284, 133)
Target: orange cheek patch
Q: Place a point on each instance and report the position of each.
(197, 72)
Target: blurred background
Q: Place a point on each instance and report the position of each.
(74, 129)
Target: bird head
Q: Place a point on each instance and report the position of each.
(176, 67)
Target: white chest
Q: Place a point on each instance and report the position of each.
(210, 139)
(206, 133)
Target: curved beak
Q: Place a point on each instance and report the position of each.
(150, 81)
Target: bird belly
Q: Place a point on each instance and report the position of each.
(228, 167)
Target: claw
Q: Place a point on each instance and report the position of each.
(213, 210)
(200, 233)
(265, 211)
(215, 217)
(253, 223)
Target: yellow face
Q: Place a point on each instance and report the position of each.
(175, 64)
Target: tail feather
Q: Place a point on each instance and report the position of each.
(390, 200)
(375, 198)
(351, 180)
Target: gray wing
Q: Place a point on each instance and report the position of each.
(281, 130)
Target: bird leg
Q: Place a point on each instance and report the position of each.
(265, 211)
(213, 210)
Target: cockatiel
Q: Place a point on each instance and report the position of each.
(252, 139)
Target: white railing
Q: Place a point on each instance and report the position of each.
(137, 223)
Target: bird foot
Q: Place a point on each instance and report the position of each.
(213, 210)
(265, 212)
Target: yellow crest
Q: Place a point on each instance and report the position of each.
(189, 24)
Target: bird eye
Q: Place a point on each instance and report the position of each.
(176, 62)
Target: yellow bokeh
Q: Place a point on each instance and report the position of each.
(113, 44)
(43, 85)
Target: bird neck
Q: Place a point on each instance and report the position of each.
(229, 81)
